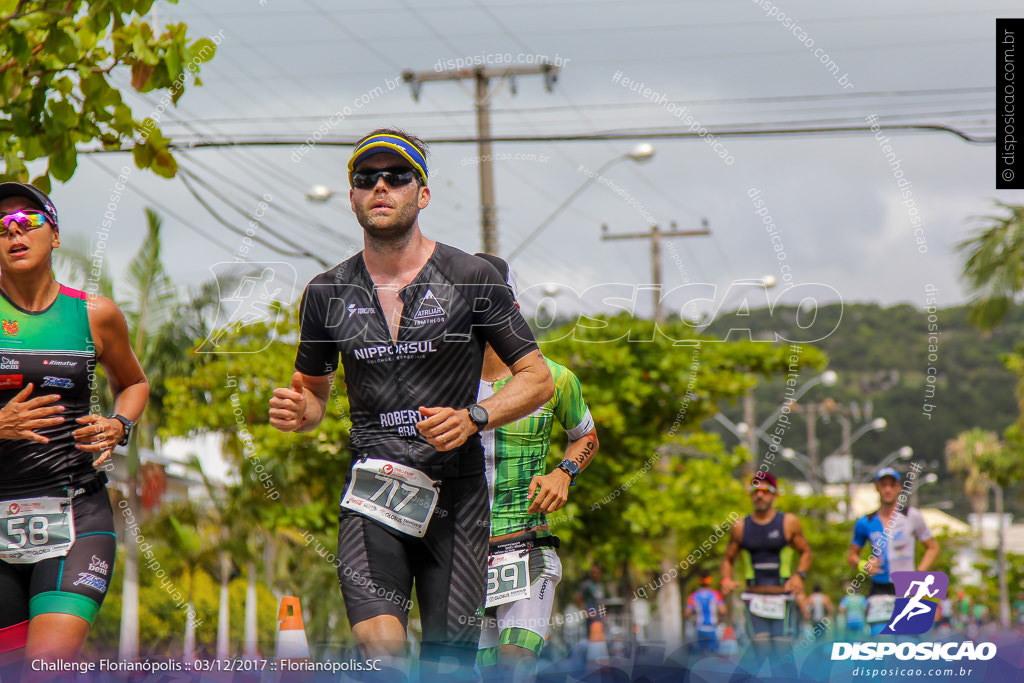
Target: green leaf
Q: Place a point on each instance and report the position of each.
(164, 164)
(42, 182)
(63, 162)
(10, 86)
(201, 50)
(143, 155)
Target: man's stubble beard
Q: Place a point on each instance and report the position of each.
(396, 235)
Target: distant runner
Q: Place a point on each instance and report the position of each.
(523, 567)
(705, 606)
(818, 610)
(853, 606)
(891, 530)
(770, 538)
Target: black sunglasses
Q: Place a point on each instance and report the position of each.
(397, 176)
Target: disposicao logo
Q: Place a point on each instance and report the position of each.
(914, 614)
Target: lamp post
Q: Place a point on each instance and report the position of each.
(806, 466)
(748, 435)
(878, 424)
(640, 153)
(902, 453)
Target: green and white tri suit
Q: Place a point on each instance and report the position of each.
(514, 454)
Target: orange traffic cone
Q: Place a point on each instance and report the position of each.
(597, 648)
(291, 634)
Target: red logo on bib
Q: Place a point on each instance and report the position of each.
(387, 469)
(10, 381)
(10, 327)
(13, 509)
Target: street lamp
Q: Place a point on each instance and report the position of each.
(878, 424)
(749, 436)
(828, 378)
(640, 153)
(806, 466)
(319, 194)
(903, 453)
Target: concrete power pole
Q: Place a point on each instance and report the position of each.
(655, 236)
(482, 101)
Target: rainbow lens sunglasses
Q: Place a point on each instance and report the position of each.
(397, 176)
(27, 219)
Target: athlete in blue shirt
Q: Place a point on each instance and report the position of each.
(891, 531)
(705, 606)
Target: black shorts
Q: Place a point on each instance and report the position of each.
(75, 584)
(787, 627)
(377, 566)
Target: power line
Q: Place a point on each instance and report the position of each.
(183, 175)
(620, 105)
(653, 133)
(170, 212)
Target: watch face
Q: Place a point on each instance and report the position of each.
(478, 415)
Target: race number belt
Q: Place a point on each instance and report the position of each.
(880, 608)
(767, 606)
(508, 577)
(398, 496)
(34, 529)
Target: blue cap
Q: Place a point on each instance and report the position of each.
(888, 472)
(385, 143)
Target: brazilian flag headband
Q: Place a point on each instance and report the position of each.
(389, 144)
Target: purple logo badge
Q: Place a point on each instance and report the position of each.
(917, 597)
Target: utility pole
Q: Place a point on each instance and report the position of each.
(482, 75)
(655, 235)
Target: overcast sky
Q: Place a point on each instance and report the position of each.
(285, 67)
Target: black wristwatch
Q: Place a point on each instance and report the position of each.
(128, 424)
(478, 416)
(570, 468)
(803, 575)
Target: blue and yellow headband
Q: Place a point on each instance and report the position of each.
(388, 144)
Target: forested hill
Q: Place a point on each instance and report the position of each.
(882, 357)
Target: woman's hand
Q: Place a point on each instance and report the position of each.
(19, 417)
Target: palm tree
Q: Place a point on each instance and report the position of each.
(994, 265)
(988, 464)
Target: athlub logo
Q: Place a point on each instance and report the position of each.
(914, 614)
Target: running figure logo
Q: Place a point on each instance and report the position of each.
(914, 613)
(253, 299)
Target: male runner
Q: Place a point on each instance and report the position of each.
(891, 530)
(769, 537)
(522, 549)
(818, 610)
(707, 606)
(410, 318)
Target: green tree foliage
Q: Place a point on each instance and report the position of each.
(655, 472)
(994, 264)
(57, 59)
(162, 627)
(290, 483)
(881, 357)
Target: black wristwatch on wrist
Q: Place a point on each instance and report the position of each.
(478, 416)
(803, 575)
(570, 468)
(128, 424)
